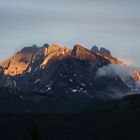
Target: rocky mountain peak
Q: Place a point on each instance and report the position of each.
(45, 45)
(18, 63)
(43, 48)
(75, 49)
(105, 52)
(54, 52)
(102, 51)
(95, 49)
(52, 48)
(107, 55)
(32, 49)
(83, 53)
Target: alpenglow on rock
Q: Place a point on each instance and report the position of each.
(30, 59)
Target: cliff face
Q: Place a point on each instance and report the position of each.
(21, 61)
(83, 53)
(18, 63)
(54, 52)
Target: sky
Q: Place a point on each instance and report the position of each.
(113, 24)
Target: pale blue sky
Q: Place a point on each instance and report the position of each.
(114, 24)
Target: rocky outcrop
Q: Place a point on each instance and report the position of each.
(95, 49)
(102, 51)
(107, 54)
(136, 75)
(23, 60)
(33, 49)
(52, 48)
(54, 52)
(20, 61)
(83, 53)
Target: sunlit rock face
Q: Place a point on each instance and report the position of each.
(22, 61)
(54, 52)
(17, 64)
(83, 53)
(52, 48)
(136, 75)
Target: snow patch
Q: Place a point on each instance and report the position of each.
(83, 84)
(48, 88)
(15, 84)
(38, 80)
(71, 80)
(36, 69)
(73, 90)
(20, 96)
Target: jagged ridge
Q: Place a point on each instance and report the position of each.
(21, 62)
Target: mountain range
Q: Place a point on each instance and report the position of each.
(52, 78)
(53, 92)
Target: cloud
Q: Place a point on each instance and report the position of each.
(125, 74)
(116, 70)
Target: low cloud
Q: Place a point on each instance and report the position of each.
(114, 69)
(124, 72)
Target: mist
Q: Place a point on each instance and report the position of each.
(126, 75)
(114, 69)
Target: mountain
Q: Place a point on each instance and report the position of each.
(53, 92)
(52, 78)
